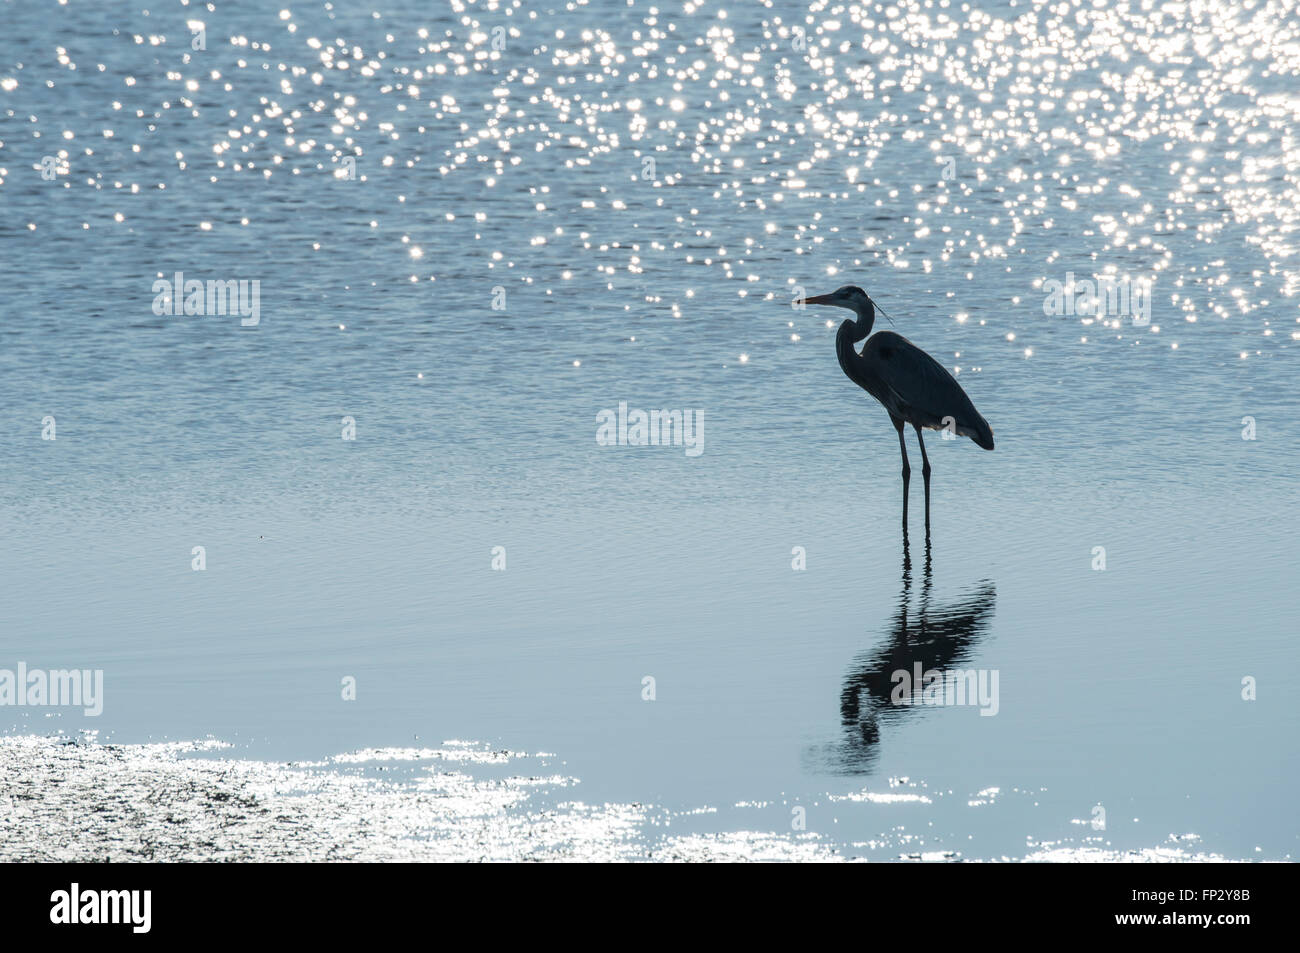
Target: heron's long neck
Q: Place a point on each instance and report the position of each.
(866, 319)
(850, 333)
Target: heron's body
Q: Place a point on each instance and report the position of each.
(912, 386)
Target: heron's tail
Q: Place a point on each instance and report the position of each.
(982, 434)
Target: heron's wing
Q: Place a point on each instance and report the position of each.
(920, 390)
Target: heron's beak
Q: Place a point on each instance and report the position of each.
(819, 299)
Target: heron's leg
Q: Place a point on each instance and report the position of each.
(907, 467)
(925, 472)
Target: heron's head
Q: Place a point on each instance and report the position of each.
(851, 297)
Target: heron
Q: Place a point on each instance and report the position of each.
(912, 386)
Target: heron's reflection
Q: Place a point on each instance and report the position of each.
(934, 637)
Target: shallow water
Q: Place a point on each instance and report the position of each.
(1155, 144)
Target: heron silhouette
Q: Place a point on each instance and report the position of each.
(912, 386)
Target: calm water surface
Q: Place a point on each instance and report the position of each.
(643, 191)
